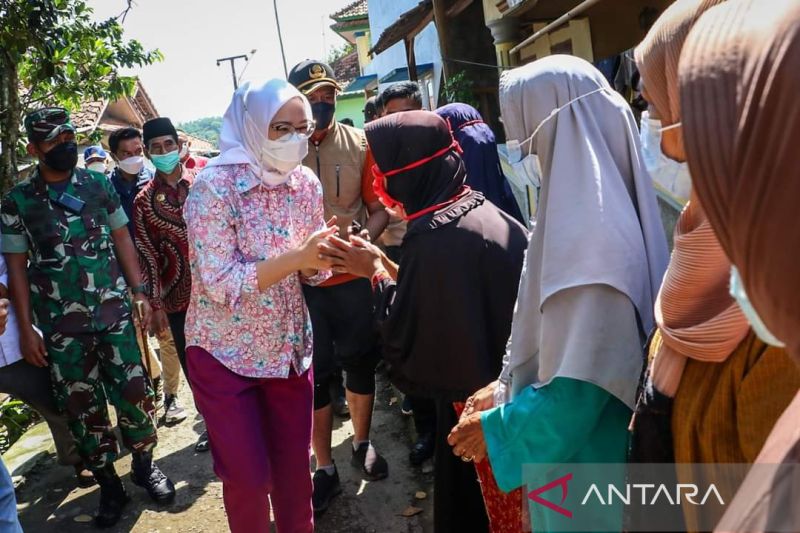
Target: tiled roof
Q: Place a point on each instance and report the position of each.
(346, 68)
(143, 103)
(89, 114)
(357, 9)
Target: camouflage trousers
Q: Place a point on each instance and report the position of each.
(91, 369)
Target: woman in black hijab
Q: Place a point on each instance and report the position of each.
(445, 312)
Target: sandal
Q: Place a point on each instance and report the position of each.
(85, 476)
(202, 443)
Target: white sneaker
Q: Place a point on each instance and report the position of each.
(175, 413)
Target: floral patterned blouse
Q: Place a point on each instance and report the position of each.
(234, 222)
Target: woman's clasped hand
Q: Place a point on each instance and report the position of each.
(356, 256)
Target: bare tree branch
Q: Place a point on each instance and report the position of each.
(121, 16)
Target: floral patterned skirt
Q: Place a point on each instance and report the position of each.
(505, 510)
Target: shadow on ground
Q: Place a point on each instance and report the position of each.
(50, 501)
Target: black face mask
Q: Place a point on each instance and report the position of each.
(63, 156)
(323, 114)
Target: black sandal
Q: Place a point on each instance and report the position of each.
(202, 443)
(84, 476)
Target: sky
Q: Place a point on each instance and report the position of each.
(193, 34)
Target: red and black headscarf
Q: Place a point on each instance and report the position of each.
(417, 155)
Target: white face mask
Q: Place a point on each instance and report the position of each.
(527, 168)
(278, 157)
(184, 151)
(132, 165)
(739, 294)
(281, 156)
(671, 175)
(97, 166)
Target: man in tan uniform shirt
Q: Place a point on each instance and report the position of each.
(341, 308)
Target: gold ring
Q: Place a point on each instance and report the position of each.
(467, 459)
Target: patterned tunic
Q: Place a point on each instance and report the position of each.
(235, 222)
(162, 243)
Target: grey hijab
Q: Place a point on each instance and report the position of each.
(597, 224)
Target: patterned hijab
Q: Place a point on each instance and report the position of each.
(739, 87)
(697, 317)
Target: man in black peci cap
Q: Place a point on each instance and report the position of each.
(341, 308)
(163, 242)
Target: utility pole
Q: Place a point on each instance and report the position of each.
(280, 37)
(232, 60)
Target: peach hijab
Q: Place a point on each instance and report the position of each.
(739, 85)
(697, 317)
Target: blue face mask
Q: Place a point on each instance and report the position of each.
(526, 167)
(670, 175)
(739, 294)
(166, 163)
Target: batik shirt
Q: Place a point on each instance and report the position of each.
(234, 222)
(75, 280)
(162, 243)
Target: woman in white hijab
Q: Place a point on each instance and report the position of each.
(255, 218)
(595, 260)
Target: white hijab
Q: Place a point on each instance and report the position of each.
(597, 222)
(240, 139)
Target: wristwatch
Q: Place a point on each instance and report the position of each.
(139, 289)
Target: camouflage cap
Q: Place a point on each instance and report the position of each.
(47, 123)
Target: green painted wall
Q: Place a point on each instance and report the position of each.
(352, 107)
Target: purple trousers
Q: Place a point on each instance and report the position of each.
(260, 434)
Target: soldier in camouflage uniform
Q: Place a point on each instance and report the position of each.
(67, 247)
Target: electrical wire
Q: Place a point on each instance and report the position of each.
(247, 64)
(474, 63)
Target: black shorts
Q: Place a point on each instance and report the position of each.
(344, 336)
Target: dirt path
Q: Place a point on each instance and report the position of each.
(50, 501)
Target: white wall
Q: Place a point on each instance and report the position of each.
(383, 13)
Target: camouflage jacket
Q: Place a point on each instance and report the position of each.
(76, 283)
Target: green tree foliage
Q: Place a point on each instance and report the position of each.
(15, 418)
(205, 128)
(52, 52)
(460, 88)
(339, 52)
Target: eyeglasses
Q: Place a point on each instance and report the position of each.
(285, 128)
